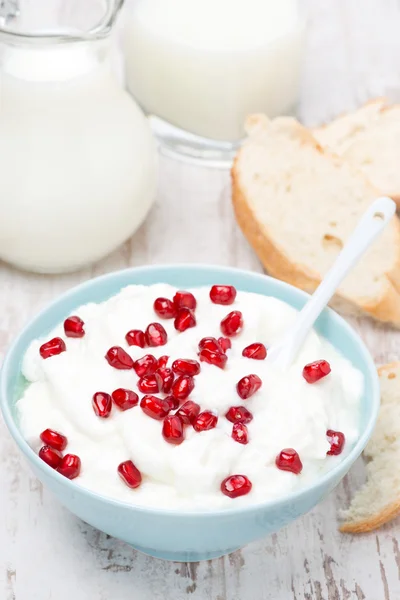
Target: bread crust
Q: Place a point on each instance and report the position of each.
(385, 308)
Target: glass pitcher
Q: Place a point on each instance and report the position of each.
(77, 158)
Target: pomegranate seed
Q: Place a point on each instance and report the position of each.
(185, 366)
(336, 440)
(232, 323)
(50, 456)
(223, 294)
(130, 474)
(156, 335)
(185, 300)
(102, 404)
(316, 370)
(211, 343)
(239, 414)
(236, 485)
(135, 337)
(165, 379)
(225, 343)
(172, 430)
(248, 386)
(182, 387)
(213, 358)
(188, 412)
(52, 348)
(70, 466)
(149, 384)
(240, 433)
(118, 358)
(172, 402)
(162, 362)
(255, 351)
(289, 460)
(73, 327)
(165, 308)
(125, 399)
(55, 440)
(147, 365)
(205, 421)
(184, 319)
(154, 407)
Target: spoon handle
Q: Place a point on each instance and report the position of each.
(369, 227)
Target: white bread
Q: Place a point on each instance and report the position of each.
(297, 204)
(378, 500)
(370, 139)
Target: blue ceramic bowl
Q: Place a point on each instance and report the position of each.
(169, 534)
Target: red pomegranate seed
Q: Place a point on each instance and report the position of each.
(118, 358)
(210, 343)
(182, 387)
(188, 412)
(165, 308)
(130, 474)
(248, 386)
(162, 362)
(185, 366)
(70, 466)
(185, 300)
(50, 456)
(55, 440)
(289, 460)
(240, 433)
(336, 440)
(184, 319)
(223, 294)
(52, 348)
(316, 370)
(165, 379)
(239, 414)
(73, 327)
(102, 404)
(255, 351)
(149, 384)
(156, 335)
(213, 358)
(154, 407)
(172, 402)
(172, 430)
(147, 365)
(135, 337)
(205, 421)
(236, 485)
(124, 398)
(232, 323)
(225, 343)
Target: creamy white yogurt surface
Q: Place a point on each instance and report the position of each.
(287, 411)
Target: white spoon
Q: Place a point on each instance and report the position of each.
(370, 226)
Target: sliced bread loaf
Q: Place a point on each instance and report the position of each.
(297, 204)
(370, 139)
(378, 500)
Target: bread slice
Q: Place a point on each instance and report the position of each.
(370, 139)
(297, 204)
(378, 500)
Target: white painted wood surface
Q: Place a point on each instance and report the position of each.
(48, 554)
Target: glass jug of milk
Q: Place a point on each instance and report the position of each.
(77, 157)
(199, 67)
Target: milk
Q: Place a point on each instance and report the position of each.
(204, 65)
(77, 160)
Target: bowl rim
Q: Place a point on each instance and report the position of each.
(337, 471)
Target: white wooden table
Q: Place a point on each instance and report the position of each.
(48, 554)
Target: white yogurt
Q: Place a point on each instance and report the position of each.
(204, 65)
(288, 412)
